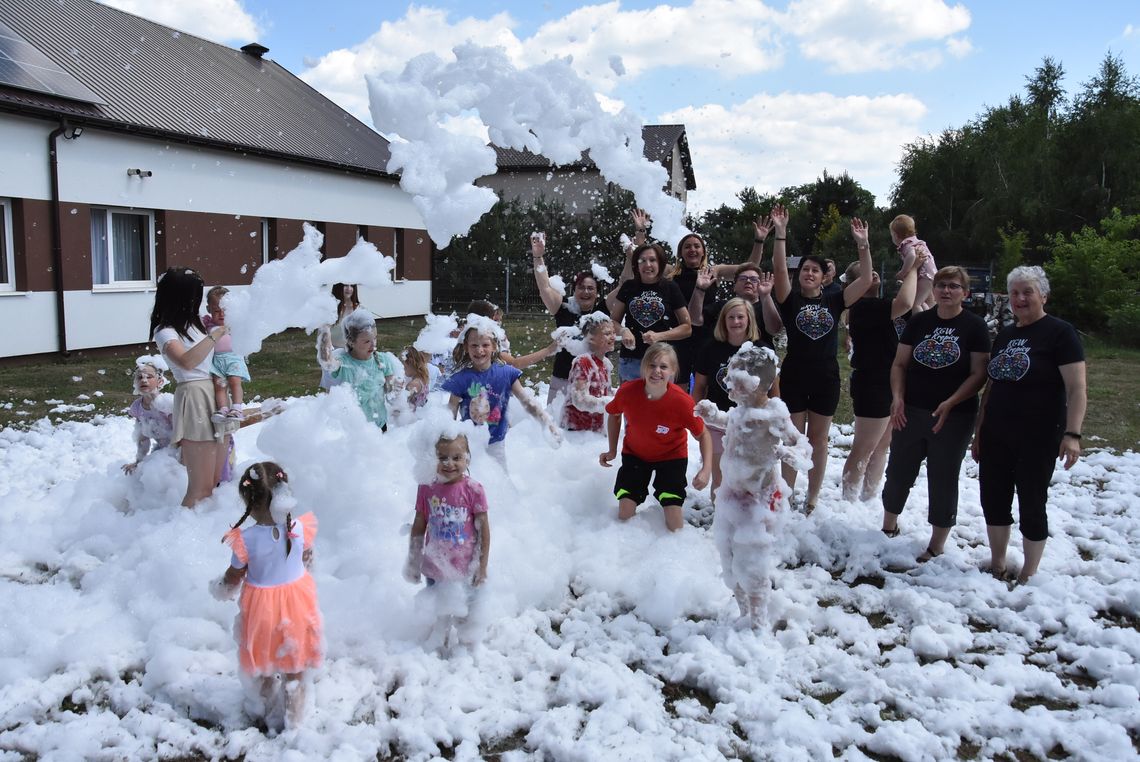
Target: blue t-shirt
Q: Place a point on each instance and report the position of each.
(484, 395)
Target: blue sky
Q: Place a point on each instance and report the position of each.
(771, 92)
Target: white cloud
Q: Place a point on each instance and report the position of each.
(1129, 30)
(876, 35)
(959, 47)
(773, 141)
(217, 20)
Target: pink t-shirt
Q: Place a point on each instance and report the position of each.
(451, 540)
(907, 245)
(224, 344)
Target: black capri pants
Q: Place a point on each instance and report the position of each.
(669, 482)
(943, 453)
(1011, 460)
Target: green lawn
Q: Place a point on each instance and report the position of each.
(286, 366)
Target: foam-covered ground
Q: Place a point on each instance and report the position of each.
(601, 640)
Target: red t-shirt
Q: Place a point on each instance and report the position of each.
(655, 429)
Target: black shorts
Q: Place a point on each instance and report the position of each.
(815, 389)
(871, 393)
(668, 484)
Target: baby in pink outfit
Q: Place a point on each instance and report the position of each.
(908, 244)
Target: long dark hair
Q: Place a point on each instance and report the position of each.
(338, 294)
(177, 300)
(256, 489)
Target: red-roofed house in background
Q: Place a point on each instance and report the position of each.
(127, 147)
(526, 176)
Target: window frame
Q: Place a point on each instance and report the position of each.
(8, 241)
(113, 283)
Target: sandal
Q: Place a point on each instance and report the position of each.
(892, 533)
(928, 555)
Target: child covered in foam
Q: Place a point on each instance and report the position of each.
(753, 499)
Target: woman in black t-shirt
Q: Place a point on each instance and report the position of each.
(871, 326)
(566, 312)
(652, 307)
(1032, 412)
(809, 379)
(735, 325)
(938, 369)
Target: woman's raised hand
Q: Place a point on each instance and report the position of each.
(640, 219)
(767, 281)
(706, 278)
(779, 218)
(763, 226)
(537, 245)
(859, 232)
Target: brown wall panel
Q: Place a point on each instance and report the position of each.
(417, 255)
(339, 238)
(382, 238)
(75, 240)
(285, 236)
(31, 237)
(216, 245)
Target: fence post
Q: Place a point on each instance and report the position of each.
(507, 296)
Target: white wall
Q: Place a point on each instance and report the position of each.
(93, 170)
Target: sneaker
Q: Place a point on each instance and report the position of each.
(235, 414)
(221, 414)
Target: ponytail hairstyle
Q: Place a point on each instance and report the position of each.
(256, 489)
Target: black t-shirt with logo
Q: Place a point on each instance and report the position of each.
(940, 357)
(712, 362)
(563, 360)
(649, 307)
(1026, 387)
(812, 325)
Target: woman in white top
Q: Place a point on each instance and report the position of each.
(177, 329)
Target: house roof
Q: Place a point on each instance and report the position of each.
(161, 82)
(659, 142)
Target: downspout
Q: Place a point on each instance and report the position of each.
(57, 239)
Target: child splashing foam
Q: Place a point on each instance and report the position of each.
(589, 382)
(753, 498)
(153, 409)
(278, 627)
(482, 385)
(371, 374)
(451, 536)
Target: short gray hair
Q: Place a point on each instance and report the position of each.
(1028, 274)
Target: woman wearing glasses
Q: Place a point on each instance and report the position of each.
(939, 367)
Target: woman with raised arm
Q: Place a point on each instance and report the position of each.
(809, 380)
(566, 311)
(939, 367)
(1032, 412)
(874, 325)
(652, 308)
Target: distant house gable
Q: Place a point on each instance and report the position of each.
(527, 176)
(169, 84)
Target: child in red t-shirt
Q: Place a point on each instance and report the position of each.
(658, 413)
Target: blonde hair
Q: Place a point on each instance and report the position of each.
(215, 294)
(720, 333)
(651, 355)
(903, 226)
(418, 362)
(444, 438)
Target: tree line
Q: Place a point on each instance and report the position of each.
(1042, 179)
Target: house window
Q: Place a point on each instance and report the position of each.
(122, 247)
(7, 253)
(264, 241)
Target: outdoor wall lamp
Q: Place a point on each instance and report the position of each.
(140, 172)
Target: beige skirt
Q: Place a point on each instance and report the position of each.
(193, 409)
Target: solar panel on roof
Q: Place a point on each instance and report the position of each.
(23, 66)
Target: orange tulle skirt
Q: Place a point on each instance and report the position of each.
(279, 628)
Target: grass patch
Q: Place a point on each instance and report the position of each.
(287, 367)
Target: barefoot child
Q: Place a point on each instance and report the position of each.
(590, 382)
(451, 537)
(658, 414)
(229, 370)
(278, 627)
(153, 409)
(904, 236)
(371, 374)
(482, 385)
(753, 497)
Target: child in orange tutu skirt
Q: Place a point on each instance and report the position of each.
(278, 627)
